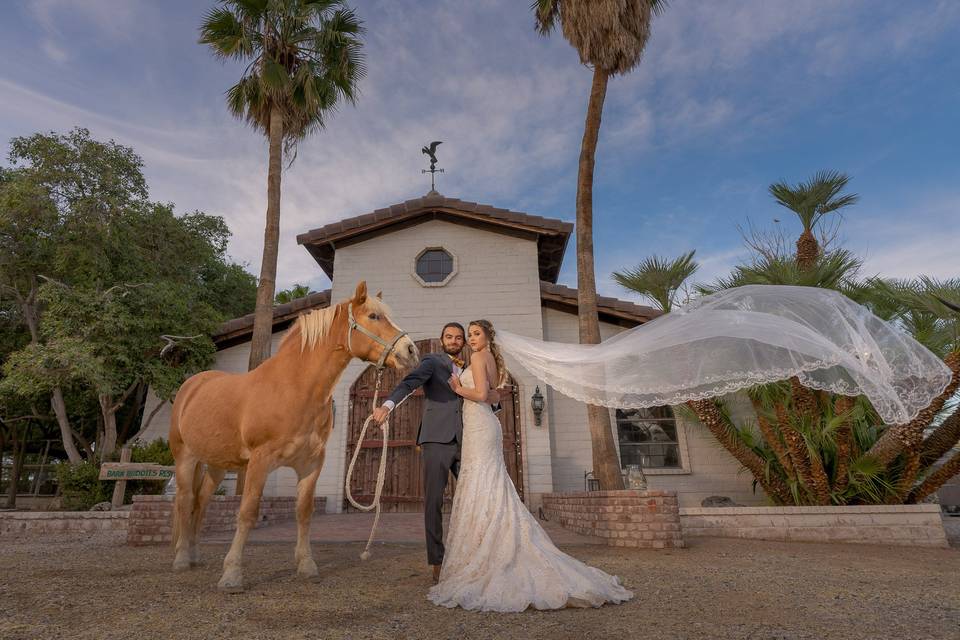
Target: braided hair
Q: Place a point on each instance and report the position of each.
(491, 335)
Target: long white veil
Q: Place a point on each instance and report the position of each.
(739, 338)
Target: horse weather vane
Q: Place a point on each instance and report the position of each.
(431, 150)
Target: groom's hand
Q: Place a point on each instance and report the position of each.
(493, 396)
(380, 414)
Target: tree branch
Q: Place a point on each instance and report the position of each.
(146, 425)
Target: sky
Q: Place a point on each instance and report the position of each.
(731, 95)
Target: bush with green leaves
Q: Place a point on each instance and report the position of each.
(80, 486)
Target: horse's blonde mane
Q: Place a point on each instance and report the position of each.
(315, 325)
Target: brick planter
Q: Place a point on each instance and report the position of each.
(151, 518)
(915, 525)
(30, 524)
(641, 519)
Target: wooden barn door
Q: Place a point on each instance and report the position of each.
(403, 485)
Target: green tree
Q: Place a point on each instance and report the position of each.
(59, 194)
(659, 279)
(303, 60)
(111, 293)
(610, 38)
(817, 448)
(294, 292)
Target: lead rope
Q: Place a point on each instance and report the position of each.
(381, 474)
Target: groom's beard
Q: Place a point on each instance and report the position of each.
(452, 351)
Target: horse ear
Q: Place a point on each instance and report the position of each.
(360, 295)
(380, 294)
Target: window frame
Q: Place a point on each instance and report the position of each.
(439, 283)
(682, 450)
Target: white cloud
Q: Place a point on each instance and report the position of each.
(508, 105)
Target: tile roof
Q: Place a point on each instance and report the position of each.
(551, 234)
(613, 308)
(240, 329)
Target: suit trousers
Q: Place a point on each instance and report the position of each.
(439, 459)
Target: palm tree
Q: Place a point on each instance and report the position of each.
(658, 278)
(304, 60)
(811, 201)
(609, 37)
(297, 291)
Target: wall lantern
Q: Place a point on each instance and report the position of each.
(536, 403)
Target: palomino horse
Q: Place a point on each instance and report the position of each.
(279, 414)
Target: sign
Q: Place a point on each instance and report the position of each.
(135, 471)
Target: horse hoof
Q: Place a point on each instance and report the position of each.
(228, 586)
(236, 588)
(311, 576)
(182, 565)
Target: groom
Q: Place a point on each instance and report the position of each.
(441, 429)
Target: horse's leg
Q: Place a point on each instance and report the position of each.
(187, 467)
(256, 476)
(211, 480)
(306, 487)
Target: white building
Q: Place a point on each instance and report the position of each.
(439, 259)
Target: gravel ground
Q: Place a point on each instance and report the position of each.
(76, 588)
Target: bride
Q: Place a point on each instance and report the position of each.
(498, 557)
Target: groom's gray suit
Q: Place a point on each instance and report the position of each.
(440, 433)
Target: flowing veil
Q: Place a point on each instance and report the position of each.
(739, 338)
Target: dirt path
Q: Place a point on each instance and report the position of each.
(714, 589)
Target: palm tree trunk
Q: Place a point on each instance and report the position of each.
(909, 473)
(943, 438)
(606, 467)
(841, 475)
(796, 447)
(936, 479)
(773, 440)
(712, 419)
(263, 316)
(807, 250)
(896, 439)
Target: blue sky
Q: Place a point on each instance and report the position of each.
(731, 96)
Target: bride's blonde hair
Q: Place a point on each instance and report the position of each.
(491, 335)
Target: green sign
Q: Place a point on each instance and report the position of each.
(135, 471)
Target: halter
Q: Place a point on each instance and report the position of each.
(388, 348)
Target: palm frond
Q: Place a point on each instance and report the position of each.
(658, 278)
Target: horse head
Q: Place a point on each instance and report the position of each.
(372, 335)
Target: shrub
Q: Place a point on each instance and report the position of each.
(80, 487)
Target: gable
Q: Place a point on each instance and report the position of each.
(551, 235)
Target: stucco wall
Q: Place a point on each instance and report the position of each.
(707, 468)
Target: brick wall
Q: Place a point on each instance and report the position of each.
(907, 525)
(151, 517)
(641, 519)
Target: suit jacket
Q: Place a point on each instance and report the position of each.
(442, 416)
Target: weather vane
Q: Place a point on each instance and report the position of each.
(431, 150)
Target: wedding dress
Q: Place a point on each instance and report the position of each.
(498, 557)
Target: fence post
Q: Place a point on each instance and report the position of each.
(120, 487)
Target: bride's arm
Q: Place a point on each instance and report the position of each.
(478, 365)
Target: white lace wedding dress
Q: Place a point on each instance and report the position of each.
(498, 558)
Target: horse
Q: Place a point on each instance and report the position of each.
(279, 414)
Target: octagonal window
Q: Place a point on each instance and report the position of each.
(434, 266)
